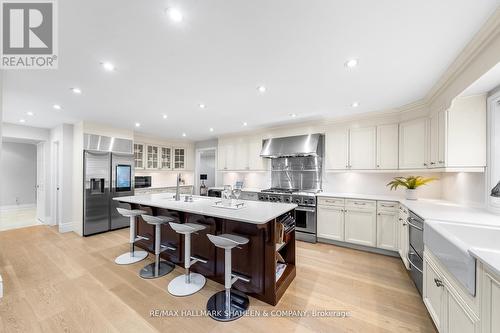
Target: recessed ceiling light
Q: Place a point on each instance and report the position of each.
(77, 91)
(108, 66)
(175, 14)
(22, 120)
(183, 134)
(211, 129)
(261, 89)
(245, 123)
(165, 116)
(293, 115)
(137, 124)
(355, 104)
(29, 113)
(351, 63)
(57, 107)
(202, 106)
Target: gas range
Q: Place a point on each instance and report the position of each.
(296, 196)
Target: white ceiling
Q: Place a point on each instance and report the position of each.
(223, 50)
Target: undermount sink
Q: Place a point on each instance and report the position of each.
(451, 242)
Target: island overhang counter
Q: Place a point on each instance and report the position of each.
(257, 221)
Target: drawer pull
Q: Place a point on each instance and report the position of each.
(388, 206)
(360, 203)
(438, 282)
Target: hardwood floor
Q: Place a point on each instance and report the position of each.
(65, 283)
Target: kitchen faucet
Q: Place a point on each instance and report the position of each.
(177, 189)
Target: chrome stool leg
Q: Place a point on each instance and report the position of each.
(159, 267)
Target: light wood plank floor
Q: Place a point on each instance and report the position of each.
(62, 282)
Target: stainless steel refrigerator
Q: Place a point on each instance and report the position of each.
(106, 176)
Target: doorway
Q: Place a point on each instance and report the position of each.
(19, 197)
(205, 168)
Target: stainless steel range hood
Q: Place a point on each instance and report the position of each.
(293, 146)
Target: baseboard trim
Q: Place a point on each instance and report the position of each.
(359, 247)
(65, 227)
(11, 208)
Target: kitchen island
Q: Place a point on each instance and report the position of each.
(257, 221)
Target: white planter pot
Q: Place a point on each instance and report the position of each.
(411, 194)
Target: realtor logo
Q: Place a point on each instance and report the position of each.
(28, 34)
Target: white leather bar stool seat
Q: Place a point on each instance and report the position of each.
(132, 256)
(159, 267)
(187, 283)
(229, 304)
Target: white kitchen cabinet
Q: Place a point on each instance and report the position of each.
(449, 307)
(387, 146)
(490, 313)
(413, 144)
(433, 293)
(466, 133)
(403, 240)
(387, 229)
(165, 158)
(152, 157)
(139, 155)
(336, 149)
(179, 155)
(362, 148)
(226, 158)
(360, 224)
(331, 222)
(255, 162)
(437, 140)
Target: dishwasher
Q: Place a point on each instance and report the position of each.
(416, 249)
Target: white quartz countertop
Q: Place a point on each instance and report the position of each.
(245, 189)
(255, 212)
(436, 211)
(491, 258)
(160, 187)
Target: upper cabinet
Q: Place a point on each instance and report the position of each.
(241, 154)
(336, 149)
(466, 133)
(362, 148)
(152, 157)
(139, 155)
(163, 157)
(413, 144)
(387, 146)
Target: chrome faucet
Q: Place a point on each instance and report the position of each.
(177, 189)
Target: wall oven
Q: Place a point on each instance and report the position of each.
(416, 249)
(142, 181)
(305, 222)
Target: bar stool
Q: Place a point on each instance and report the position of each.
(188, 283)
(159, 267)
(229, 304)
(132, 256)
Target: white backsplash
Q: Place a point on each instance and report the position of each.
(166, 178)
(461, 187)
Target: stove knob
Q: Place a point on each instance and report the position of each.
(297, 201)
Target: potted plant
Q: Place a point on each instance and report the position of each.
(411, 183)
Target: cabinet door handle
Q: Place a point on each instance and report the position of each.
(432, 163)
(425, 164)
(360, 203)
(441, 162)
(378, 214)
(438, 282)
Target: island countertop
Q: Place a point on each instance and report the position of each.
(255, 212)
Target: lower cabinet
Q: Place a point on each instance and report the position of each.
(446, 306)
(490, 313)
(404, 236)
(360, 226)
(387, 230)
(331, 222)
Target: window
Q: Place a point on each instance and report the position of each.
(493, 170)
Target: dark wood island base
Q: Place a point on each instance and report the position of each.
(256, 260)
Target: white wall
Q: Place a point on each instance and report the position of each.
(62, 135)
(463, 187)
(25, 133)
(207, 166)
(18, 176)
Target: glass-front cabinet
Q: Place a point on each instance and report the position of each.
(179, 158)
(166, 158)
(139, 155)
(152, 157)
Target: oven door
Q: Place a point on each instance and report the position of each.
(305, 219)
